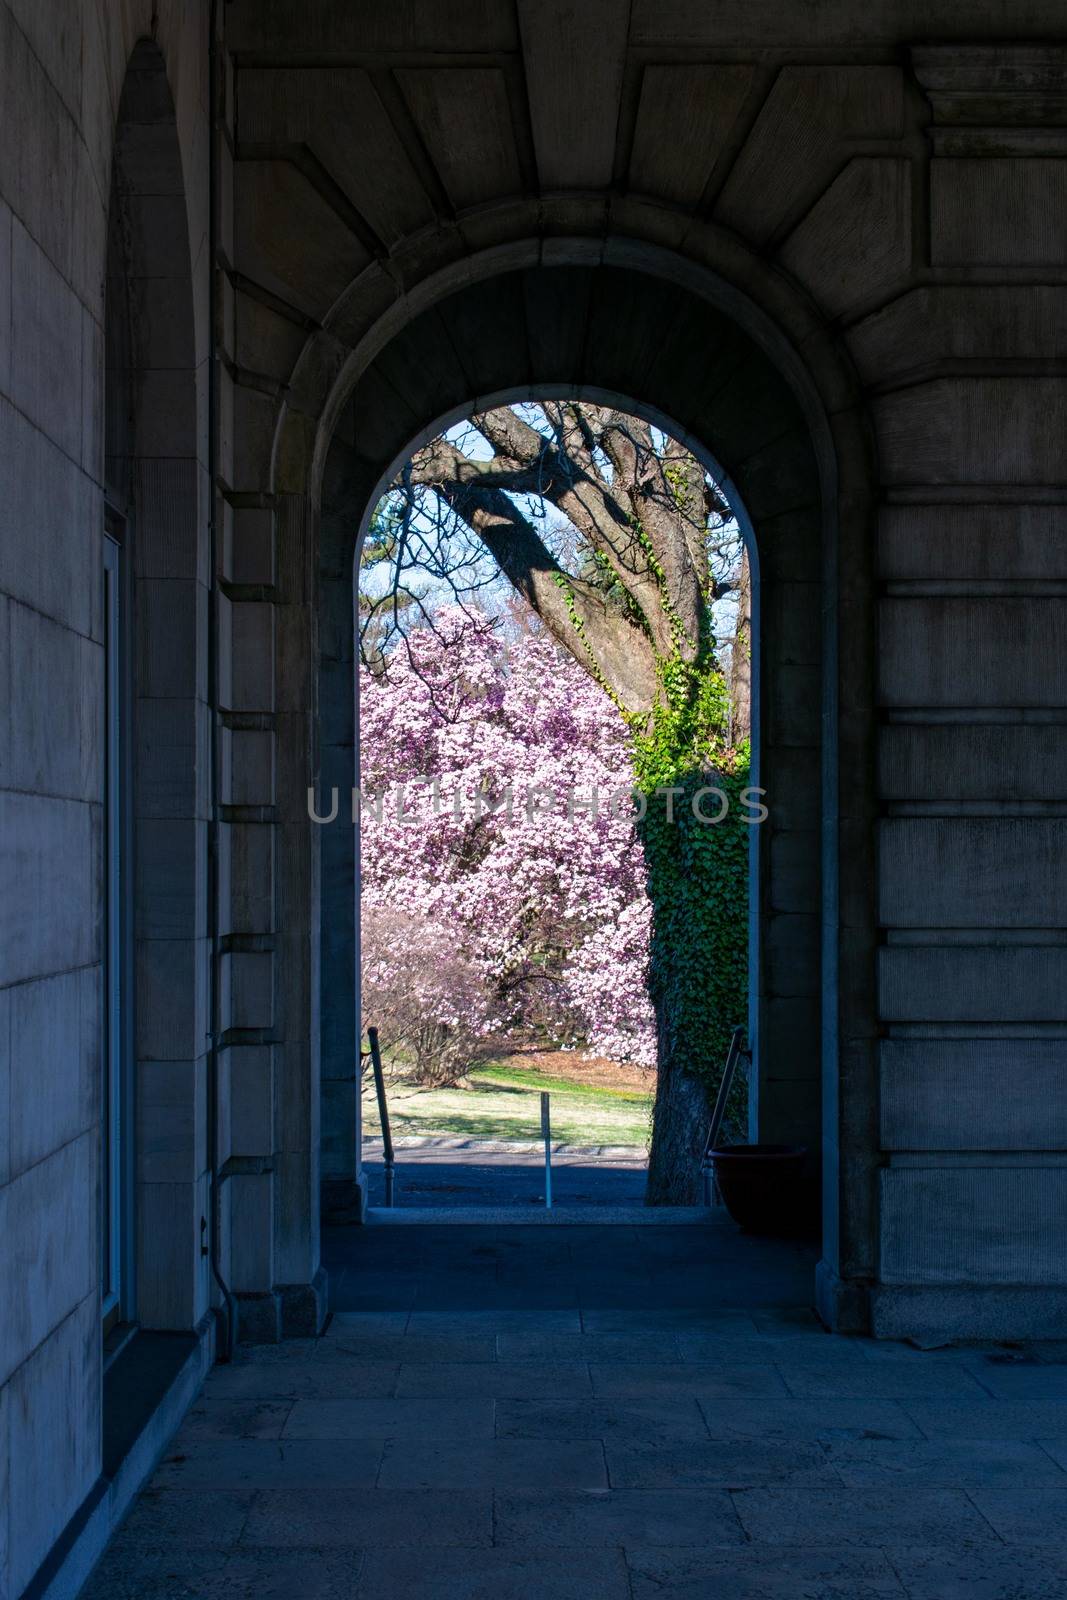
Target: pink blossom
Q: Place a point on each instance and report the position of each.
(550, 909)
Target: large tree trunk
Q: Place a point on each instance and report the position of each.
(679, 1131)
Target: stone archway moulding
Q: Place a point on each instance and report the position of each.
(811, 368)
(311, 397)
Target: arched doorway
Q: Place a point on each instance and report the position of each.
(619, 333)
(567, 586)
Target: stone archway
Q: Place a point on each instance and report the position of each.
(343, 529)
(332, 257)
(544, 329)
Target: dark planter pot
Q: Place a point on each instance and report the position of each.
(760, 1186)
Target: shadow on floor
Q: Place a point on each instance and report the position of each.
(514, 1267)
(600, 1413)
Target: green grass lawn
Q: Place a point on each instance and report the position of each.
(504, 1102)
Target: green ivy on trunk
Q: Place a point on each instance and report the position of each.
(698, 886)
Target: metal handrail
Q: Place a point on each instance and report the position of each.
(388, 1161)
(733, 1056)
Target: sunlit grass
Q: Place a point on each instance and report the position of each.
(504, 1102)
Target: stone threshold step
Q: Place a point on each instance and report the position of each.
(559, 1217)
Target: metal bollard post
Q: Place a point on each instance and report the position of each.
(546, 1134)
(388, 1160)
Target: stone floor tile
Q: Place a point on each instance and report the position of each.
(502, 1296)
(1025, 1515)
(890, 1380)
(648, 1421)
(500, 1380)
(186, 1517)
(791, 1420)
(286, 1574)
(268, 1355)
(1038, 1384)
(717, 1464)
(270, 1463)
(685, 1378)
(127, 1573)
(988, 1419)
(808, 1346)
(355, 1288)
(620, 1516)
(755, 1572)
(494, 1464)
(233, 1419)
(900, 1350)
(362, 1296)
(956, 1463)
(495, 1321)
(596, 1283)
(467, 1418)
(328, 1518)
(672, 1319)
(727, 1423)
(985, 1574)
(610, 1347)
(516, 1573)
(844, 1517)
(366, 1321)
(304, 1380)
(782, 1320)
(397, 1347)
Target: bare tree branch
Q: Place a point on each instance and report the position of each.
(646, 561)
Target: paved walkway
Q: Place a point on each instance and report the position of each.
(440, 1172)
(602, 1414)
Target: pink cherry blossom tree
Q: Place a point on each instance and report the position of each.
(497, 832)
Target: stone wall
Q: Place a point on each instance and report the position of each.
(971, 551)
(63, 71)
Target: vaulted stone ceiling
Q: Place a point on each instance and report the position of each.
(365, 132)
(378, 143)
